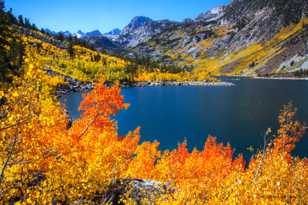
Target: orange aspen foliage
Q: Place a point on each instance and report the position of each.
(97, 108)
(290, 131)
(51, 162)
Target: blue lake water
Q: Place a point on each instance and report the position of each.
(238, 115)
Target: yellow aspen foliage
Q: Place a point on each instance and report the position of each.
(44, 159)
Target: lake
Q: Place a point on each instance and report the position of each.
(238, 115)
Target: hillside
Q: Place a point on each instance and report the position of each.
(243, 38)
(74, 59)
(24, 46)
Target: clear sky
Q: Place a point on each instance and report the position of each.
(87, 15)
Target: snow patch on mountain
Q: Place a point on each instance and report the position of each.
(211, 15)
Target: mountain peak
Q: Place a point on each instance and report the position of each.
(212, 14)
(141, 19)
(66, 33)
(94, 33)
(113, 32)
(138, 21)
(80, 32)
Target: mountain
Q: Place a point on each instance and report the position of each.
(95, 33)
(96, 40)
(113, 34)
(103, 43)
(80, 34)
(212, 14)
(115, 31)
(53, 33)
(66, 33)
(50, 32)
(136, 23)
(141, 29)
(243, 38)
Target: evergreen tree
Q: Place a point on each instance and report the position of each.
(71, 50)
(21, 20)
(27, 23)
(60, 36)
(34, 27)
(11, 51)
(131, 71)
(12, 18)
(4, 35)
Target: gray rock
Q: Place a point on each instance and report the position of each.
(138, 190)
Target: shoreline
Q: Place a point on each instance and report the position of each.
(74, 85)
(265, 77)
(77, 86)
(176, 83)
(281, 78)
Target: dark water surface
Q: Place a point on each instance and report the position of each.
(239, 115)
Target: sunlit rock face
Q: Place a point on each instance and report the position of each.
(141, 29)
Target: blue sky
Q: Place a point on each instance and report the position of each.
(87, 15)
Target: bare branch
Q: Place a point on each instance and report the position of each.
(9, 157)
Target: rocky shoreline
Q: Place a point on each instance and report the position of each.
(176, 83)
(71, 84)
(74, 85)
(78, 86)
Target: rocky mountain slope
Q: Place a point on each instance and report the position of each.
(141, 29)
(243, 38)
(246, 37)
(113, 34)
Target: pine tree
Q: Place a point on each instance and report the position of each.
(4, 35)
(21, 20)
(71, 50)
(27, 23)
(11, 51)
